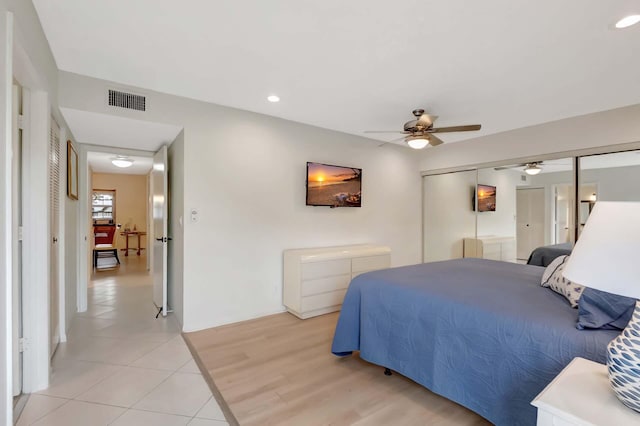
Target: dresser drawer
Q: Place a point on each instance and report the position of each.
(492, 251)
(324, 300)
(326, 268)
(370, 263)
(325, 285)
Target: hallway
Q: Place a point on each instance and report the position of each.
(122, 366)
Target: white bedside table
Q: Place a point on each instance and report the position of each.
(581, 395)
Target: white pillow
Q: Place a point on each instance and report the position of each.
(552, 278)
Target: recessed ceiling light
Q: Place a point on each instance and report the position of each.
(628, 21)
(273, 98)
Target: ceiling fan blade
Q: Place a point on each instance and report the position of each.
(468, 128)
(384, 131)
(435, 141)
(392, 141)
(515, 166)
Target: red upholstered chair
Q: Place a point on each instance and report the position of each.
(104, 247)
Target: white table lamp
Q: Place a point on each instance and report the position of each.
(606, 257)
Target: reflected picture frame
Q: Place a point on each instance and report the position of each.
(72, 171)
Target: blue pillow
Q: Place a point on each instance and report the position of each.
(599, 309)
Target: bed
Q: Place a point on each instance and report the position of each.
(543, 256)
(479, 332)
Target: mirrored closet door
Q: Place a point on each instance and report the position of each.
(500, 213)
(608, 177)
(449, 215)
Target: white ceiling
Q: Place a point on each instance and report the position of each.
(362, 65)
(109, 130)
(100, 162)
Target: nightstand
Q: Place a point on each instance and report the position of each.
(581, 395)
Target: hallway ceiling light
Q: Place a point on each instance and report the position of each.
(532, 169)
(122, 161)
(273, 98)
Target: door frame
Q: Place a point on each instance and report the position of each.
(38, 111)
(84, 197)
(35, 271)
(554, 214)
(159, 195)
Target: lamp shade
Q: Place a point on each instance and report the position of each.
(606, 256)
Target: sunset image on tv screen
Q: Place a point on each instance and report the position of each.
(486, 198)
(333, 185)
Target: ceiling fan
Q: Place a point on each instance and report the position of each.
(420, 132)
(532, 168)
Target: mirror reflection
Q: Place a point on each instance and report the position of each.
(525, 213)
(608, 177)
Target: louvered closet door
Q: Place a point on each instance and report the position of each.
(54, 206)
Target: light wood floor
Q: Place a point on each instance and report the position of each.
(280, 370)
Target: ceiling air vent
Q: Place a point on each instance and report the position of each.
(127, 100)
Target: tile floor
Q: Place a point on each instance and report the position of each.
(122, 366)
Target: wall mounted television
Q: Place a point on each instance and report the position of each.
(486, 195)
(333, 186)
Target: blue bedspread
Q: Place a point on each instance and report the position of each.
(478, 332)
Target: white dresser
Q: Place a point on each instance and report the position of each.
(316, 280)
(491, 247)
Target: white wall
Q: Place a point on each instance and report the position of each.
(611, 127)
(177, 216)
(245, 173)
(501, 222)
(448, 214)
(615, 184)
(5, 217)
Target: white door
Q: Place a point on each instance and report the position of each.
(529, 221)
(16, 202)
(159, 189)
(54, 203)
(563, 213)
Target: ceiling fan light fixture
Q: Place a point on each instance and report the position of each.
(627, 21)
(532, 169)
(417, 142)
(122, 161)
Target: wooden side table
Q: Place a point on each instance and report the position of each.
(126, 235)
(581, 395)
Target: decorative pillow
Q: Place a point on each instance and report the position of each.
(552, 278)
(599, 309)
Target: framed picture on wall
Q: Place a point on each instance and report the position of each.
(72, 171)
